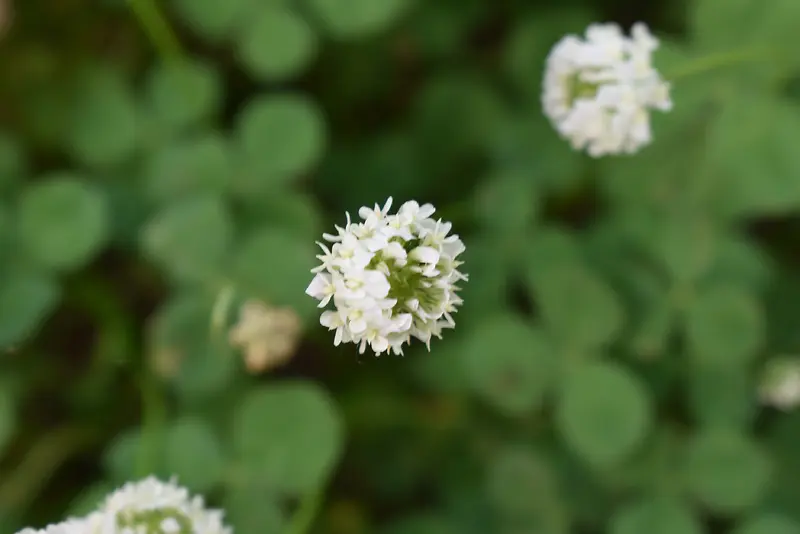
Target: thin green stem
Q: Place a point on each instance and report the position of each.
(20, 486)
(158, 30)
(153, 420)
(303, 518)
(716, 61)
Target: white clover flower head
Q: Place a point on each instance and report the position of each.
(389, 277)
(94, 523)
(151, 506)
(599, 90)
(780, 384)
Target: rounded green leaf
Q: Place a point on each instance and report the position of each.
(522, 486)
(590, 325)
(352, 19)
(26, 299)
(656, 516)
(275, 265)
(183, 93)
(297, 213)
(251, 509)
(194, 165)
(63, 222)
(276, 45)
(604, 412)
(121, 457)
(509, 364)
(193, 454)
(727, 471)
(213, 19)
(721, 395)
(768, 524)
(515, 191)
(190, 238)
(725, 325)
(281, 134)
(183, 349)
(290, 435)
(8, 416)
(104, 122)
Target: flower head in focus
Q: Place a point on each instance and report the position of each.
(267, 335)
(598, 91)
(154, 507)
(780, 384)
(389, 277)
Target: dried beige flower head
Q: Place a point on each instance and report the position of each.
(268, 336)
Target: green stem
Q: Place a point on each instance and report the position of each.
(154, 416)
(20, 487)
(719, 60)
(303, 518)
(157, 28)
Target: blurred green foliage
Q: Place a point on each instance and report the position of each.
(602, 377)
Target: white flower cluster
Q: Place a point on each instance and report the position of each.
(598, 91)
(390, 277)
(146, 507)
(780, 384)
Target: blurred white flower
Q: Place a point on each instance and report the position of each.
(780, 384)
(154, 507)
(268, 336)
(92, 524)
(598, 91)
(390, 277)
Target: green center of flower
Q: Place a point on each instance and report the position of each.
(578, 89)
(153, 521)
(406, 284)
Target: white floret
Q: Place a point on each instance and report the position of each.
(598, 91)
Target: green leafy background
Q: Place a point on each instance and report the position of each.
(619, 313)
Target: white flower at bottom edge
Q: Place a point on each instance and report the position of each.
(165, 505)
(598, 90)
(95, 523)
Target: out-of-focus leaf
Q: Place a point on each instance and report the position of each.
(104, 126)
(725, 326)
(193, 453)
(185, 351)
(768, 524)
(276, 44)
(198, 164)
(26, 299)
(355, 19)
(63, 222)
(289, 436)
(510, 364)
(524, 489)
(184, 93)
(211, 19)
(726, 470)
(275, 266)
(190, 238)
(251, 509)
(656, 516)
(577, 306)
(603, 413)
(281, 135)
